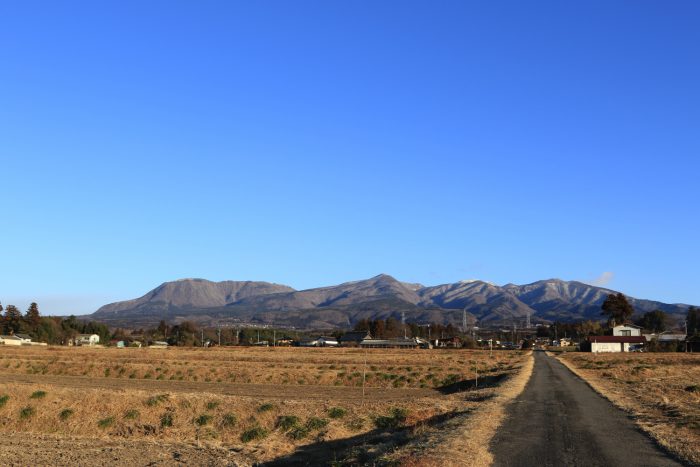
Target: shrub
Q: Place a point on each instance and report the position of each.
(287, 422)
(202, 420)
(38, 395)
(397, 416)
(4, 399)
(131, 414)
(211, 405)
(266, 407)
(298, 432)
(315, 423)
(26, 412)
(337, 412)
(166, 420)
(254, 433)
(105, 422)
(228, 420)
(693, 388)
(450, 379)
(356, 424)
(155, 400)
(65, 414)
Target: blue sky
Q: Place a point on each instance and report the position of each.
(311, 143)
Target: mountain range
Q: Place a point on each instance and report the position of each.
(382, 296)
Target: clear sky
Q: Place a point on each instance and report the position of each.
(311, 143)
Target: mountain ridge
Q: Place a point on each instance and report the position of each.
(231, 302)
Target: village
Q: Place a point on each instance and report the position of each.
(621, 338)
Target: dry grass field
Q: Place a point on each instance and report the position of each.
(253, 404)
(386, 368)
(662, 390)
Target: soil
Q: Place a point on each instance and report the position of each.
(337, 393)
(20, 449)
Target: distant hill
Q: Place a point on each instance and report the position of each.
(382, 296)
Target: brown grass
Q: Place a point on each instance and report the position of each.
(386, 368)
(464, 440)
(658, 388)
(207, 418)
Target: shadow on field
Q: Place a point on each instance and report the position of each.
(467, 384)
(363, 449)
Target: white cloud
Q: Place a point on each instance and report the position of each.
(604, 279)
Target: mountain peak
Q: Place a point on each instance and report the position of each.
(384, 276)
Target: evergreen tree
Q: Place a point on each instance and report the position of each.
(693, 321)
(13, 319)
(617, 309)
(654, 320)
(32, 316)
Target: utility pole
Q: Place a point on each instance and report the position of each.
(274, 337)
(202, 336)
(364, 375)
(403, 324)
(219, 336)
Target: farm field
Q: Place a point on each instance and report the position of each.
(662, 390)
(235, 406)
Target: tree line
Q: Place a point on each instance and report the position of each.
(59, 330)
(54, 330)
(391, 328)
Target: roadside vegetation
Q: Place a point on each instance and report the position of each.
(662, 390)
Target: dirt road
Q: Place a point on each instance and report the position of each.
(261, 391)
(559, 420)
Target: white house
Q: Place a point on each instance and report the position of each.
(627, 330)
(25, 338)
(10, 340)
(600, 344)
(87, 339)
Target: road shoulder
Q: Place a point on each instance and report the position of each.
(665, 433)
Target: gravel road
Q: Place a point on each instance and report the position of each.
(559, 420)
